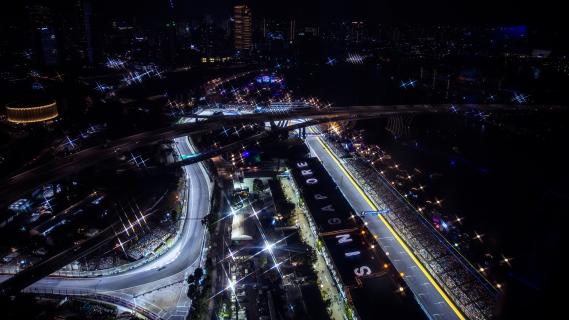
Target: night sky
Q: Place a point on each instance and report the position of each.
(417, 11)
(436, 12)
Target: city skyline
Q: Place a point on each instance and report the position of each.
(288, 160)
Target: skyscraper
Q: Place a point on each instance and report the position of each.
(292, 31)
(63, 33)
(356, 31)
(41, 20)
(242, 28)
(88, 22)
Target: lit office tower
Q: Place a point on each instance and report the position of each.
(242, 27)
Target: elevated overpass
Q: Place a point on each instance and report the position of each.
(33, 274)
(215, 122)
(14, 187)
(46, 267)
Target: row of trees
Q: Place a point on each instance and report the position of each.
(197, 292)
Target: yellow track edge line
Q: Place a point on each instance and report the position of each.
(395, 235)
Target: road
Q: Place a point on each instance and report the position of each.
(184, 255)
(430, 296)
(19, 184)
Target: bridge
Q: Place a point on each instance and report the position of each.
(24, 182)
(46, 267)
(91, 156)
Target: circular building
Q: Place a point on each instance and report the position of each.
(31, 111)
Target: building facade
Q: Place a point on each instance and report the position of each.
(243, 32)
(22, 113)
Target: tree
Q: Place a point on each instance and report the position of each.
(258, 185)
(198, 274)
(263, 261)
(192, 291)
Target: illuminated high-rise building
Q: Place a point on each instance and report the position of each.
(243, 31)
(292, 31)
(356, 31)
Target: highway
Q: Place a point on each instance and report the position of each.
(16, 186)
(428, 293)
(184, 255)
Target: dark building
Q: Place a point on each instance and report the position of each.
(63, 33)
(88, 25)
(42, 24)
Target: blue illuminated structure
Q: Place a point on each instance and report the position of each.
(268, 79)
(408, 84)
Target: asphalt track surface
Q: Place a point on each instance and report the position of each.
(428, 293)
(185, 253)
